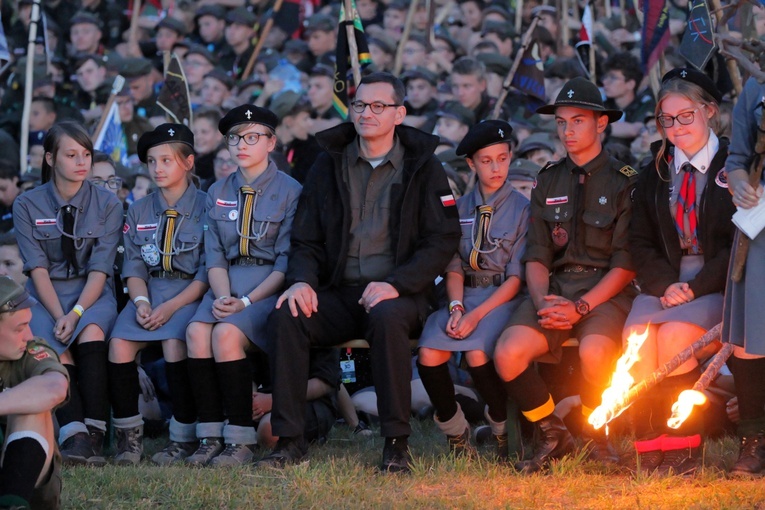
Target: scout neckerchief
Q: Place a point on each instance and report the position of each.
(67, 239)
(168, 245)
(168, 239)
(686, 204)
(245, 220)
(481, 237)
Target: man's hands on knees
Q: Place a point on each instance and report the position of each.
(376, 292)
(300, 295)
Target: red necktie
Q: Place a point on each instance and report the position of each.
(686, 203)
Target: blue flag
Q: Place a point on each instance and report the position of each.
(111, 139)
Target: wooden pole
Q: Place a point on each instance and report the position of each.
(623, 12)
(607, 4)
(119, 82)
(28, 85)
(353, 47)
(733, 70)
(516, 63)
(133, 33)
(404, 36)
(518, 15)
(261, 41)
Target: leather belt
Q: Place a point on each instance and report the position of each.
(578, 268)
(251, 261)
(484, 280)
(172, 275)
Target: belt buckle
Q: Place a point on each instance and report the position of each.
(578, 268)
(484, 281)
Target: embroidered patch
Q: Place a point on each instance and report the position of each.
(226, 203)
(125, 228)
(35, 349)
(466, 221)
(150, 254)
(146, 226)
(448, 200)
(42, 356)
(556, 200)
(628, 171)
(721, 179)
(45, 222)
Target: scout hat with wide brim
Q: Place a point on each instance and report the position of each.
(580, 93)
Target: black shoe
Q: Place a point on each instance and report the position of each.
(288, 451)
(97, 444)
(396, 456)
(460, 445)
(683, 462)
(553, 441)
(643, 462)
(598, 446)
(362, 430)
(751, 457)
(77, 450)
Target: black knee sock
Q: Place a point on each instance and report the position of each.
(749, 378)
(490, 387)
(236, 377)
(672, 387)
(590, 394)
(124, 389)
(22, 465)
(91, 359)
(204, 387)
(528, 390)
(438, 383)
(184, 410)
(72, 411)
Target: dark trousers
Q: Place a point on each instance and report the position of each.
(387, 327)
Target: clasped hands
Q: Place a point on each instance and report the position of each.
(557, 312)
(301, 295)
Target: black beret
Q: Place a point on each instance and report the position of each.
(580, 93)
(523, 170)
(219, 74)
(217, 11)
(694, 76)
(422, 73)
(136, 67)
(455, 110)
(247, 114)
(164, 133)
(241, 16)
(198, 49)
(86, 17)
(173, 24)
(319, 21)
(484, 134)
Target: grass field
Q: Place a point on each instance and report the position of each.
(341, 474)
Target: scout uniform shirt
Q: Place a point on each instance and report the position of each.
(36, 360)
(581, 215)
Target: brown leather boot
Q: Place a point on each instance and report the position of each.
(553, 441)
(751, 457)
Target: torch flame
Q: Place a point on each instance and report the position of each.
(683, 408)
(621, 381)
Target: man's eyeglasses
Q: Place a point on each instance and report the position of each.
(224, 162)
(376, 107)
(250, 138)
(112, 182)
(685, 118)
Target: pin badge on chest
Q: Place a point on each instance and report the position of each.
(232, 215)
(559, 236)
(150, 254)
(602, 200)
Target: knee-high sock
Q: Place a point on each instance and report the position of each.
(236, 377)
(92, 359)
(530, 392)
(72, 411)
(440, 388)
(124, 390)
(184, 410)
(204, 386)
(23, 462)
(490, 387)
(749, 378)
(672, 387)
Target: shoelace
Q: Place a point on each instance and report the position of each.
(205, 447)
(231, 449)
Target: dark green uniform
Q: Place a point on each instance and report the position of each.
(37, 360)
(579, 231)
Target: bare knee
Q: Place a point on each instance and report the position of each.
(596, 356)
(511, 357)
(123, 351)
(174, 350)
(476, 358)
(199, 340)
(228, 342)
(91, 333)
(432, 357)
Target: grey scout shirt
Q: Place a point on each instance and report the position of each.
(276, 201)
(144, 230)
(98, 222)
(370, 251)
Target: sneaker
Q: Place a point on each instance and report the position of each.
(287, 451)
(174, 452)
(396, 456)
(77, 449)
(97, 444)
(233, 455)
(209, 447)
(362, 430)
(129, 446)
(751, 457)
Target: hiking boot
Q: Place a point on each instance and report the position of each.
(484, 436)
(460, 446)
(683, 462)
(502, 448)
(175, 451)
(233, 455)
(129, 445)
(396, 456)
(97, 445)
(598, 447)
(209, 448)
(77, 449)
(288, 451)
(553, 441)
(751, 457)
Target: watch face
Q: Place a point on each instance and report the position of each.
(582, 308)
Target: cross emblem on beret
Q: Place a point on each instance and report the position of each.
(248, 114)
(684, 73)
(171, 132)
(570, 93)
(501, 133)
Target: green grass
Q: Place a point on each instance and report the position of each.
(342, 474)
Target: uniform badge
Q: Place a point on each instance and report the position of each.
(628, 171)
(44, 222)
(226, 203)
(603, 200)
(35, 349)
(466, 221)
(125, 228)
(448, 200)
(232, 215)
(559, 236)
(41, 356)
(150, 254)
(146, 227)
(721, 179)
(556, 200)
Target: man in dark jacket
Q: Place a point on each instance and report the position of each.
(376, 223)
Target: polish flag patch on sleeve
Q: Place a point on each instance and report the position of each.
(448, 200)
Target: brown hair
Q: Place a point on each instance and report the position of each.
(52, 141)
(693, 93)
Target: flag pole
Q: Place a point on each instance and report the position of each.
(353, 47)
(28, 85)
(733, 70)
(593, 77)
(133, 32)
(261, 40)
(119, 82)
(404, 36)
(518, 15)
(516, 63)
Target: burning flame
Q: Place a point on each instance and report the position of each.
(683, 408)
(621, 382)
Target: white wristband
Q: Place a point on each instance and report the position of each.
(138, 299)
(246, 301)
(78, 309)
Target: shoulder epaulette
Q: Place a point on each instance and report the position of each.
(628, 171)
(551, 164)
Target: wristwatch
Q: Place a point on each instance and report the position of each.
(582, 307)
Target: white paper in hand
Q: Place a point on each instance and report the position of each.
(750, 221)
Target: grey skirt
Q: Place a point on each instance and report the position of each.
(102, 313)
(252, 320)
(485, 336)
(705, 312)
(743, 314)
(160, 291)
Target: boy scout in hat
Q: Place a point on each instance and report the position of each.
(578, 272)
(32, 384)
